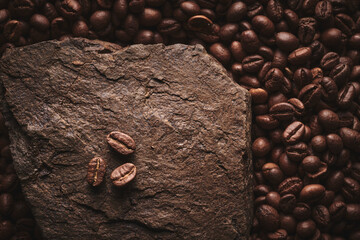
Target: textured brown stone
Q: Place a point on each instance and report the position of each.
(190, 122)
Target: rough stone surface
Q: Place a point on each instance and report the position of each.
(190, 122)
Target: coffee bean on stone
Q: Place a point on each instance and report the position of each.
(293, 132)
(121, 142)
(123, 174)
(96, 171)
(268, 217)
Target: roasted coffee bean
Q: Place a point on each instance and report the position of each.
(351, 138)
(340, 74)
(318, 50)
(274, 10)
(40, 22)
(312, 193)
(286, 41)
(310, 95)
(228, 31)
(105, 3)
(334, 143)
(331, 38)
(282, 111)
(318, 143)
(335, 181)
(96, 171)
(69, 9)
(351, 189)
(248, 81)
(287, 203)
(345, 23)
(6, 204)
(329, 60)
(302, 211)
(329, 89)
(190, 8)
(323, 11)
(279, 234)
(6, 229)
(12, 30)
(253, 63)
(288, 167)
(254, 9)
(268, 217)
(297, 152)
(306, 229)
(250, 41)
(220, 52)
(302, 77)
(273, 199)
(300, 56)
(121, 142)
(263, 25)
(328, 119)
(353, 212)
(337, 210)
(80, 29)
(261, 147)
(123, 174)
(136, 6)
(306, 33)
(298, 106)
(236, 12)
(150, 17)
(272, 173)
(293, 132)
(273, 80)
(258, 95)
(288, 223)
(311, 164)
(279, 60)
(355, 171)
(345, 96)
(237, 51)
(291, 185)
(321, 216)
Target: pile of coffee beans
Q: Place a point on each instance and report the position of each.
(300, 60)
(16, 220)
